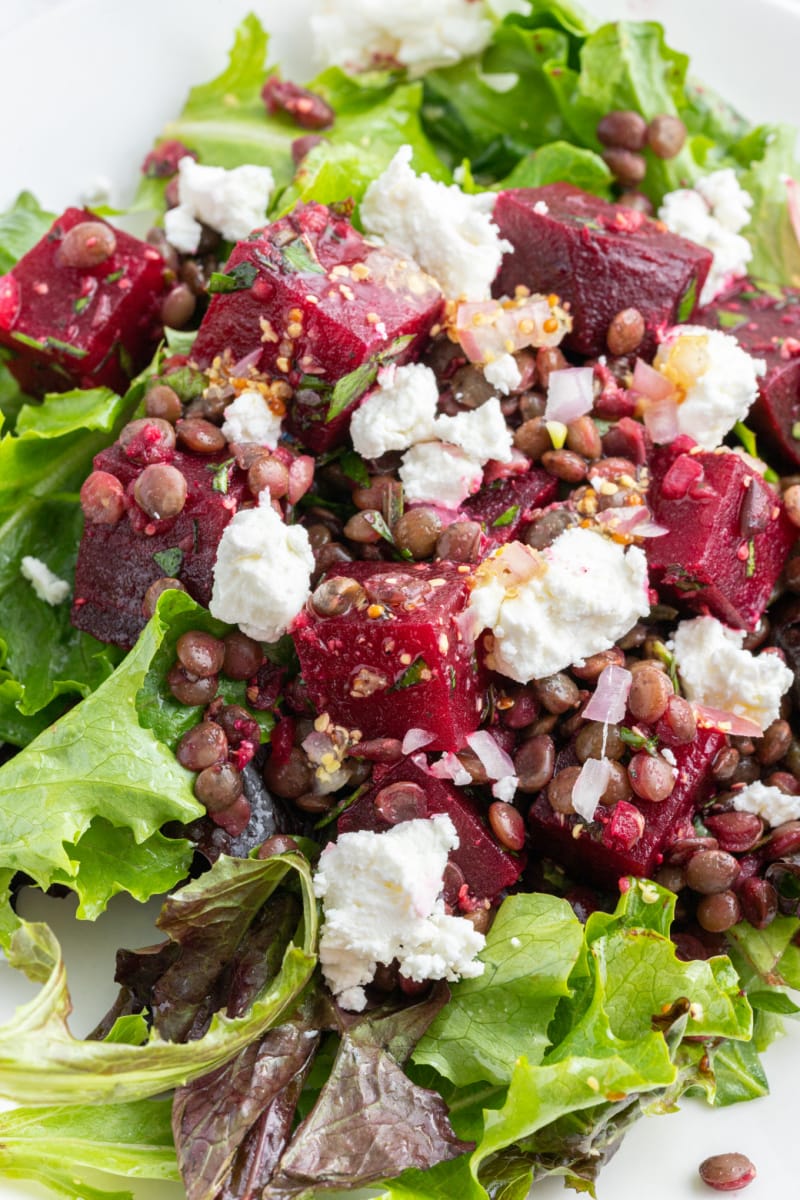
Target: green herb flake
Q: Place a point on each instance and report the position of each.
(796, 431)
(241, 277)
(299, 256)
(222, 475)
(507, 517)
(25, 340)
(772, 476)
(730, 320)
(355, 383)
(81, 304)
(52, 343)
(638, 740)
(747, 438)
(688, 301)
(418, 672)
(354, 468)
(663, 655)
(750, 570)
(376, 521)
(169, 560)
(115, 276)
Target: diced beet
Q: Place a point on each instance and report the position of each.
(600, 852)
(116, 563)
(728, 538)
(599, 257)
(318, 302)
(81, 327)
(399, 662)
(767, 325)
(486, 866)
(504, 506)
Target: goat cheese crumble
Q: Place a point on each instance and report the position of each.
(435, 473)
(713, 213)
(482, 432)
(382, 900)
(770, 803)
(717, 671)
(398, 413)
(367, 33)
(262, 573)
(448, 232)
(715, 379)
(47, 585)
(234, 202)
(249, 418)
(503, 373)
(547, 609)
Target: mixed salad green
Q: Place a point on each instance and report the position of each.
(574, 1030)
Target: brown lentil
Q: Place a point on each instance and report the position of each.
(671, 877)
(237, 725)
(162, 402)
(583, 437)
(625, 332)
(785, 781)
(202, 746)
(372, 496)
(289, 779)
(775, 743)
(160, 491)
(102, 498)
(650, 694)
(507, 825)
(651, 777)
(618, 786)
(783, 841)
(557, 693)
(666, 135)
(177, 307)
(471, 387)
(627, 167)
(243, 656)
(559, 790)
(681, 719)
(417, 532)
(86, 245)
(190, 690)
(268, 474)
(335, 597)
(218, 787)
(402, 801)
(759, 902)
(532, 438)
(134, 429)
(548, 359)
(313, 803)
(592, 667)
(358, 529)
(155, 590)
(725, 763)
(534, 763)
(200, 653)
(199, 435)
(279, 843)
(590, 740)
(711, 871)
(622, 127)
(719, 912)
(544, 531)
(565, 465)
(459, 542)
(637, 201)
(736, 832)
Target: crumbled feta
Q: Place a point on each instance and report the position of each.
(770, 803)
(549, 609)
(716, 670)
(398, 413)
(382, 901)
(715, 379)
(232, 202)
(481, 432)
(45, 583)
(249, 418)
(436, 473)
(503, 373)
(712, 214)
(448, 232)
(262, 573)
(367, 33)
(541, 208)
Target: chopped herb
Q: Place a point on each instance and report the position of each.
(351, 386)
(796, 431)
(663, 655)
(25, 340)
(688, 301)
(418, 672)
(374, 518)
(730, 320)
(354, 468)
(241, 277)
(81, 304)
(187, 383)
(195, 535)
(393, 503)
(115, 276)
(774, 290)
(451, 674)
(125, 360)
(169, 560)
(222, 475)
(747, 438)
(299, 256)
(336, 812)
(751, 559)
(772, 476)
(683, 581)
(638, 740)
(507, 517)
(73, 351)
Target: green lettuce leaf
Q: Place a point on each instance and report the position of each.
(21, 227)
(776, 248)
(40, 1057)
(561, 160)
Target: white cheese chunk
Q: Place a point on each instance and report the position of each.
(716, 380)
(712, 214)
(45, 583)
(716, 670)
(262, 573)
(418, 35)
(249, 418)
(232, 202)
(382, 901)
(503, 373)
(398, 413)
(481, 432)
(770, 803)
(448, 232)
(552, 608)
(435, 473)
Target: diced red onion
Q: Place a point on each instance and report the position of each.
(486, 328)
(793, 202)
(317, 745)
(661, 420)
(249, 360)
(494, 760)
(634, 520)
(415, 739)
(301, 477)
(726, 722)
(647, 381)
(610, 697)
(569, 394)
(589, 786)
(449, 767)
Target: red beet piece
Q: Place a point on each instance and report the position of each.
(601, 258)
(486, 866)
(401, 661)
(319, 303)
(507, 504)
(162, 161)
(767, 325)
(728, 538)
(601, 852)
(75, 327)
(116, 563)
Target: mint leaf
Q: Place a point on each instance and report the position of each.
(169, 561)
(238, 279)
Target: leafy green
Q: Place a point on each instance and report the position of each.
(776, 249)
(51, 1145)
(557, 161)
(98, 762)
(21, 227)
(38, 1054)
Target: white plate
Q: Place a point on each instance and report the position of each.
(84, 87)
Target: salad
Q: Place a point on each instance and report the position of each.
(400, 590)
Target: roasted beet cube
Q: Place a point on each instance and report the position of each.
(316, 301)
(767, 325)
(81, 326)
(608, 847)
(118, 562)
(728, 537)
(599, 257)
(504, 506)
(486, 867)
(397, 660)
